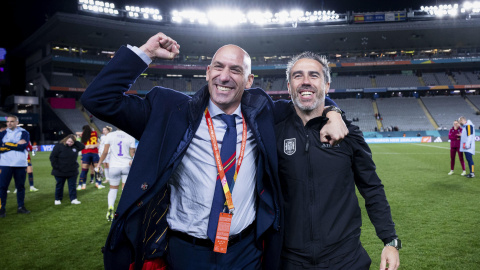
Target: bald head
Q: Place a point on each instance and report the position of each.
(228, 76)
(234, 50)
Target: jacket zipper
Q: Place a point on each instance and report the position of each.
(310, 183)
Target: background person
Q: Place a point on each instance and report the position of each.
(30, 167)
(89, 156)
(65, 167)
(105, 131)
(13, 162)
(467, 143)
(322, 215)
(120, 146)
(454, 136)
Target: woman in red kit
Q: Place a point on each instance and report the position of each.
(454, 136)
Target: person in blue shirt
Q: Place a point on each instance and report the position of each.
(13, 162)
(467, 143)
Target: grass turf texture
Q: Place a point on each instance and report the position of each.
(436, 215)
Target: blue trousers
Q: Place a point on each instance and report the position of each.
(469, 158)
(20, 176)
(244, 255)
(72, 190)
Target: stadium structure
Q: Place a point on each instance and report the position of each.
(409, 72)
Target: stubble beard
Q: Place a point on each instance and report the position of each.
(307, 109)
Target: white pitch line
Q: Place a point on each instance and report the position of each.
(390, 153)
(432, 146)
(438, 146)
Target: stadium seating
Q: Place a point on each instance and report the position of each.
(351, 82)
(445, 109)
(361, 109)
(404, 113)
(73, 118)
(397, 80)
(65, 80)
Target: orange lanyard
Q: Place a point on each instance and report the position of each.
(218, 159)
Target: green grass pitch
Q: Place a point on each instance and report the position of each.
(437, 216)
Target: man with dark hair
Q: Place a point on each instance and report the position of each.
(322, 216)
(172, 188)
(13, 162)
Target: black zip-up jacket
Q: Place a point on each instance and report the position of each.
(322, 214)
(64, 159)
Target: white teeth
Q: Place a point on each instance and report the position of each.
(221, 88)
(306, 94)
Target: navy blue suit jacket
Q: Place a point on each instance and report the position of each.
(164, 122)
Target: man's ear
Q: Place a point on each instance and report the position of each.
(249, 81)
(208, 72)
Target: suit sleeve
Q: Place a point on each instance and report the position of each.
(370, 187)
(105, 97)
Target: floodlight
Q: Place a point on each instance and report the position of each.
(296, 13)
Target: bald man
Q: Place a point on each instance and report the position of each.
(171, 185)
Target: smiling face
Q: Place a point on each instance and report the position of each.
(228, 76)
(456, 124)
(69, 142)
(307, 86)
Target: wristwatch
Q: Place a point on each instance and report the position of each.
(396, 243)
(331, 108)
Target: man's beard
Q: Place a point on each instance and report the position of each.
(311, 107)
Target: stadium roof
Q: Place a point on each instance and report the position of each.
(93, 31)
(23, 18)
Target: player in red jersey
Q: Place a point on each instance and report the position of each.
(89, 156)
(30, 167)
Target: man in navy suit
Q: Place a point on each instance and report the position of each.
(168, 196)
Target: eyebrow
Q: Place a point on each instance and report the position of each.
(309, 73)
(230, 67)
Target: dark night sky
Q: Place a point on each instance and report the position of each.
(22, 18)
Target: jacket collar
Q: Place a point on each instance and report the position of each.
(251, 104)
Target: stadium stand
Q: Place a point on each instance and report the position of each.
(66, 80)
(395, 80)
(461, 78)
(404, 113)
(445, 109)
(353, 82)
(278, 84)
(73, 118)
(443, 78)
(375, 60)
(361, 109)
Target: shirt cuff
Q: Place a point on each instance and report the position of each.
(140, 54)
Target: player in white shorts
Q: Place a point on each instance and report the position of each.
(105, 132)
(120, 147)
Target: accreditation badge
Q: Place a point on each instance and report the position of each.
(223, 232)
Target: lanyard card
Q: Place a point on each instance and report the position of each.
(223, 232)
